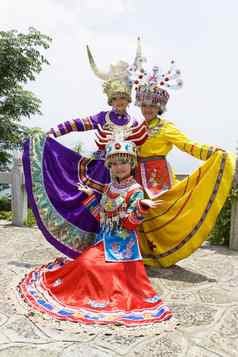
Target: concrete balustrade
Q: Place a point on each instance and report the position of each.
(15, 178)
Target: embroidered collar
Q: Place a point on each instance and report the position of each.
(154, 122)
(119, 119)
(154, 126)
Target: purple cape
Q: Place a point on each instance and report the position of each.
(52, 172)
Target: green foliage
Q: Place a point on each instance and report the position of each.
(34, 131)
(6, 215)
(30, 221)
(20, 62)
(220, 234)
(5, 204)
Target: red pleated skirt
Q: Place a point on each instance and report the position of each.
(91, 290)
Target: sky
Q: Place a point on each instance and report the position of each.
(200, 35)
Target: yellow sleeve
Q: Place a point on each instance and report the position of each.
(177, 138)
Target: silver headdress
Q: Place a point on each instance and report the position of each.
(118, 80)
(152, 87)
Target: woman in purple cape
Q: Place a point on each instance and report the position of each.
(53, 171)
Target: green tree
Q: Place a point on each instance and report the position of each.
(34, 131)
(20, 61)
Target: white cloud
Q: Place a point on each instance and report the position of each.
(109, 7)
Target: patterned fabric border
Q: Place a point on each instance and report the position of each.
(85, 179)
(73, 125)
(61, 230)
(87, 123)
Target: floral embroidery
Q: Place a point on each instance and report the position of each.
(97, 304)
(57, 282)
(153, 299)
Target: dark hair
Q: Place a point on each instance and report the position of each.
(161, 108)
(126, 159)
(120, 95)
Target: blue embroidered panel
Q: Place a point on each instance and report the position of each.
(118, 248)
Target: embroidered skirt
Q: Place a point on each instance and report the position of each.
(92, 291)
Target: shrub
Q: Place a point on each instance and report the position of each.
(30, 221)
(5, 204)
(220, 235)
(6, 215)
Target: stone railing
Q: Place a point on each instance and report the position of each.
(15, 179)
(19, 198)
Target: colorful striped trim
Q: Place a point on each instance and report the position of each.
(56, 132)
(73, 124)
(92, 204)
(89, 200)
(65, 128)
(87, 123)
(85, 179)
(61, 129)
(68, 126)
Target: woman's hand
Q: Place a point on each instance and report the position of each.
(50, 134)
(216, 148)
(219, 149)
(151, 204)
(85, 189)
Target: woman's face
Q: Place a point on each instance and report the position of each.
(120, 169)
(120, 104)
(149, 111)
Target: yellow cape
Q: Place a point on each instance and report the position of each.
(189, 210)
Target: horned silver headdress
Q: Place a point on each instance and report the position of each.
(118, 80)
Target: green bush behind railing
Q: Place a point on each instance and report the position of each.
(220, 234)
(5, 204)
(6, 213)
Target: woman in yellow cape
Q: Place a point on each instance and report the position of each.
(190, 207)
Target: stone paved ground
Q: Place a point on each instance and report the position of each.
(202, 291)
